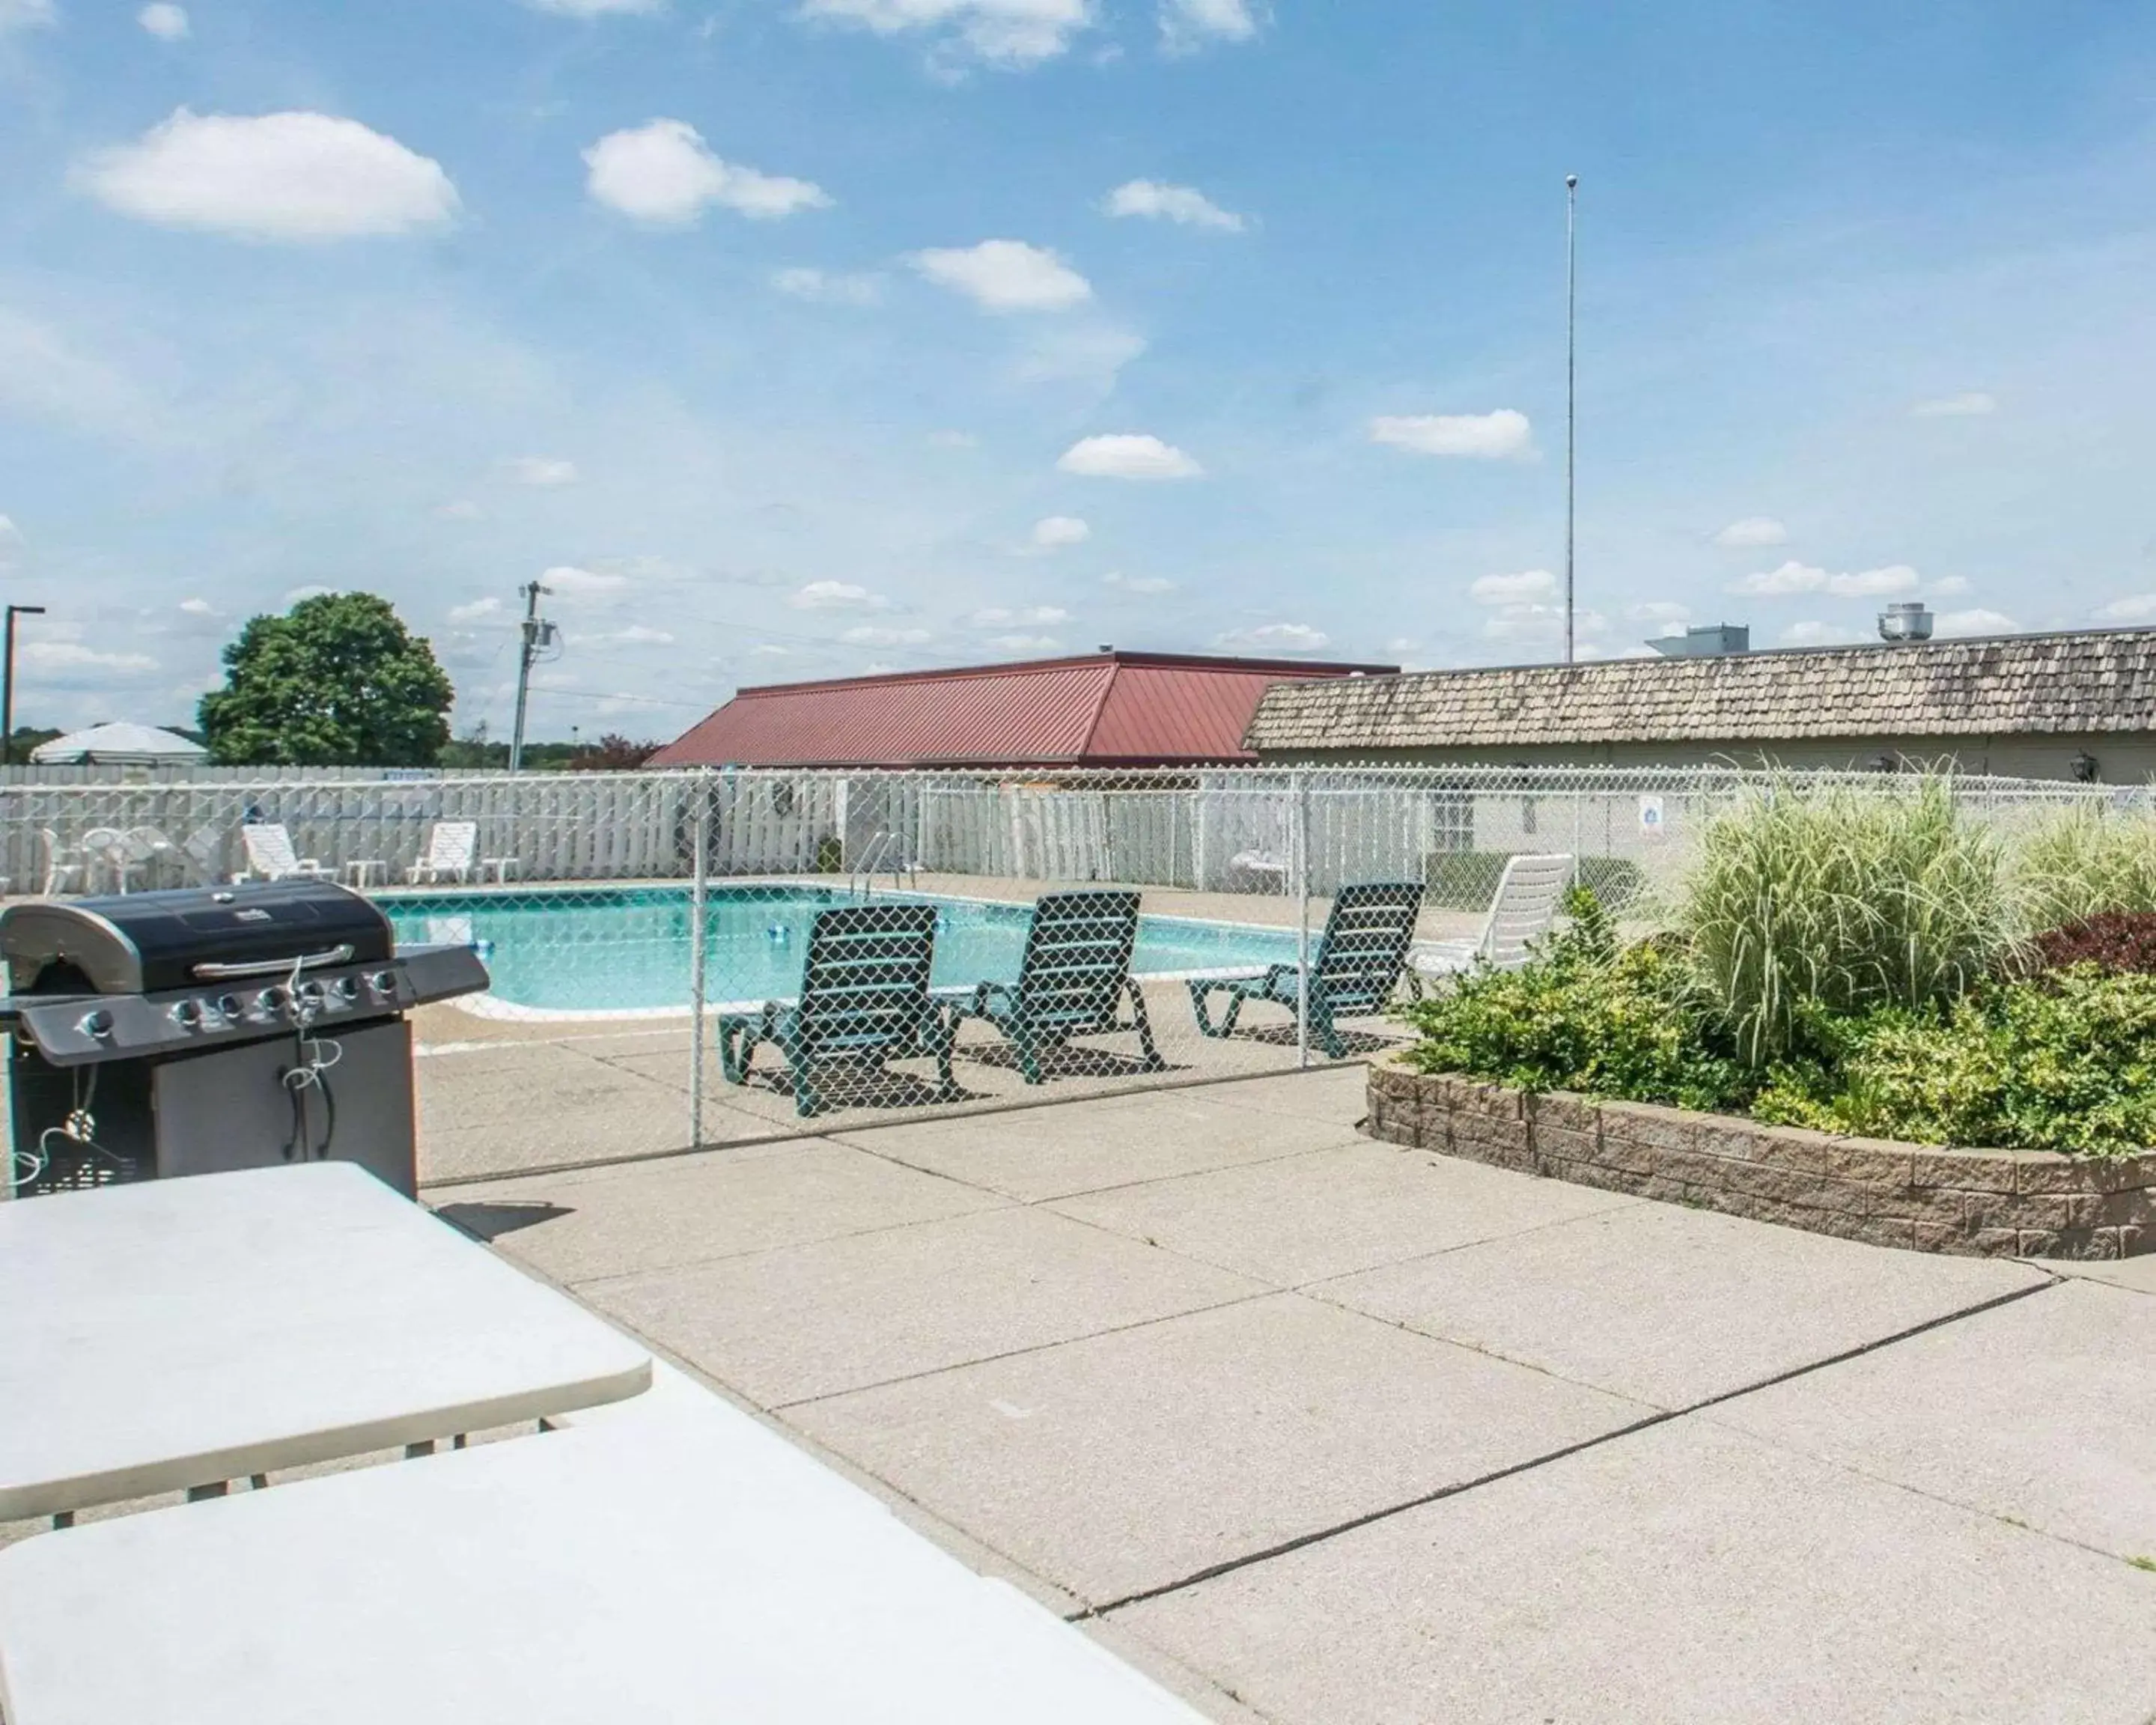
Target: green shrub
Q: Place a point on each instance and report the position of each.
(831, 854)
(1583, 1015)
(2081, 862)
(2065, 1063)
(1804, 901)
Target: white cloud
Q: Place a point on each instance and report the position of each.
(293, 596)
(1127, 455)
(596, 8)
(73, 655)
(1666, 613)
(837, 596)
(1947, 586)
(1816, 635)
(1137, 583)
(828, 287)
(546, 472)
(571, 582)
(870, 635)
(463, 509)
(1276, 638)
(477, 611)
(198, 608)
(771, 649)
(1004, 276)
(1024, 644)
(1795, 578)
(1753, 533)
(290, 177)
(2134, 607)
(1031, 617)
(1976, 621)
(1184, 204)
(1505, 435)
(1541, 622)
(1187, 23)
(1529, 585)
(27, 15)
(1401, 644)
(664, 173)
(165, 21)
(1054, 532)
(1008, 32)
(1972, 405)
(637, 635)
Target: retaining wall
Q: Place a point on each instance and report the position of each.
(2035, 1203)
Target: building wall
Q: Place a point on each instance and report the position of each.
(2122, 758)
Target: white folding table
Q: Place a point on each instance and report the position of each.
(656, 1566)
(182, 1332)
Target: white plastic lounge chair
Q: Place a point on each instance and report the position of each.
(64, 864)
(449, 857)
(270, 856)
(1526, 905)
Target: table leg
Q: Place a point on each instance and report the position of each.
(196, 1493)
(65, 1518)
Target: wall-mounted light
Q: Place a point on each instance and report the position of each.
(2084, 768)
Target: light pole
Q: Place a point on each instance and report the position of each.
(537, 632)
(7, 684)
(1571, 374)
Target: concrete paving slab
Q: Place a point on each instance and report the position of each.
(1127, 1462)
(1682, 1573)
(2136, 1274)
(655, 1215)
(1048, 1153)
(1672, 1305)
(1336, 1093)
(2043, 1411)
(815, 1320)
(1333, 1212)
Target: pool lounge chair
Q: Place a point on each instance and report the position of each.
(863, 997)
(1073, 978)
(1526, 903)
(270, 856)
(1354, 971)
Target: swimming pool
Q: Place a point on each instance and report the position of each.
(626, 949)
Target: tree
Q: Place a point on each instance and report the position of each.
(336, 681)
(613, 753)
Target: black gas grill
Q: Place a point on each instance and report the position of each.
(190, 1032)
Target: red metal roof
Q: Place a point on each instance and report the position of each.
(1104, 710)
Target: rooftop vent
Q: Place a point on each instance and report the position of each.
(1908, 621)
(1714, 640)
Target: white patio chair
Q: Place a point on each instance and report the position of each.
(63, 863)
(146, 851)
(270, 856)
(449, 857)
(104, 848)
(1528, 894)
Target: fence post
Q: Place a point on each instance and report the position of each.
(1301, 859)
(699, 918)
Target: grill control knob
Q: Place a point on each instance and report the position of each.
(228, 1006)
(383, 982)
(97, 1023)
(345, 987)
(186, 1014)
(274, 999)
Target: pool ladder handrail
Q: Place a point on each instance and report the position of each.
(862, 881)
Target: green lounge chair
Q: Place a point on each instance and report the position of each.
(1072, 978)
(1358, 965)
(863, 997)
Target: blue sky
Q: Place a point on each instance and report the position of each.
(795, 338)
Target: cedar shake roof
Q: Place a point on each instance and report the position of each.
(2089, 680)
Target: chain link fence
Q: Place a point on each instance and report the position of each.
(716, 956)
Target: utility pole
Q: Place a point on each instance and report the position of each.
(7, 684)
(1571, 387)
(537, 632)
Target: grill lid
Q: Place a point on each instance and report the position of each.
(146, 942)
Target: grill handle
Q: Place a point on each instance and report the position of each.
(218, 973)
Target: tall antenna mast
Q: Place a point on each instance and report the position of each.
(1571, 386)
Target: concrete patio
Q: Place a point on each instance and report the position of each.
(1324, 1431)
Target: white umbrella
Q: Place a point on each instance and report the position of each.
(119, 745)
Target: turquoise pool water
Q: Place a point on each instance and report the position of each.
(626, 949)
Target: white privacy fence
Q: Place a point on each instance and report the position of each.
(658, 940)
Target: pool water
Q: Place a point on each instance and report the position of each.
(626, 949)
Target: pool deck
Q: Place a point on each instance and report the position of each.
(502, 1096)
(1323, 1431)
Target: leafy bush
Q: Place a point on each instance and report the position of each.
(2111, 940)
(2066, 1063)
(1805, 900)
(1582, 1015)
(2084, 861)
